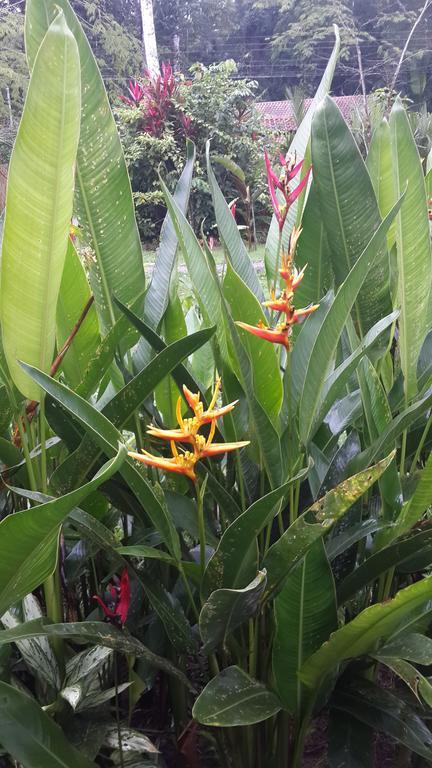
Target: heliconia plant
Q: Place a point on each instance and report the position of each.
(215, 535)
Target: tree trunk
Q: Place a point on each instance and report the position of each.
(149, 38)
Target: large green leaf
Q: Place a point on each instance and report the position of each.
(96, 632)
(379, 165)
(417, 505)
(227, 609)
(384, 711)
(325, 343)
(105, 202)
(243, 305)
(25, 567)
(351, 743)
(350, 210)
(305, 614)
(292, 546)
(156, 298)
(233, 698)
(413, 247)
(73, 297)
(378, 416)
(235, 561)
(411, 646)
(31, 736)
(298, 146)
(39, 206)
(369, 628)
(336, 381)
(107, 437)
(380, 562)
(202, 277)
(313, 250)
(230, 236)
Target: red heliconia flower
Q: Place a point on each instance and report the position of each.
(233, 208)
(118, 598)
(281, 183)
(283, 304)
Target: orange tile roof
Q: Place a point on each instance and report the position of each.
(280, 114)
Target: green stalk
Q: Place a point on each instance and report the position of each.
(201, 528)
(52, 585)
(421, 444)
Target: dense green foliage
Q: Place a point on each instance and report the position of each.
(208, 104)
(251, 519)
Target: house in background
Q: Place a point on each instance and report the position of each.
(281, 115)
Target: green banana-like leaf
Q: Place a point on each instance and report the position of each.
(360, 636)
(234, 698)
(157, 295)
(235, 561)
(417, 505)
(73, 297)
(244, 306)
(107, 437)
(385, 558)
(202, 277)
(104, 195)
(166, 392)
(379, 165)
(336, 381)
(31, 736)
(298, 146)
(325, 343)
(95, 632)
(387, 712)
(351, 743)
(25, 567)
(39, 206)
(181, 374)
(413, 247)
(293, 545)
(227, 609)
(350, 211)
(378, 416)
(229, 235)
(313, 250)
(305, 615)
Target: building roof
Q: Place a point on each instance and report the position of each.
(281, 115)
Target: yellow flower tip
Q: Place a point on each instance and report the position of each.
(300, 314)
(209, 416)
(215, 449)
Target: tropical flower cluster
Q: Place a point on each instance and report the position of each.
(290, 169)
(183, 460)
(283, 304)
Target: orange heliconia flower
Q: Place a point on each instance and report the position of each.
(183, 462)
(292, 277)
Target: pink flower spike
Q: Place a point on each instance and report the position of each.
(294, 171)
(299, 189)
(272, 191)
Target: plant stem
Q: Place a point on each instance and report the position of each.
(201, 528)
(52, 585)
(189, 593)
(421, 444)
(117, 709)
(403, 453)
